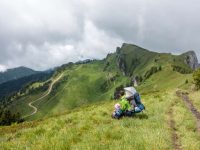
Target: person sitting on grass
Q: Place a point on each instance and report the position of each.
(129, 104)
(134, 99)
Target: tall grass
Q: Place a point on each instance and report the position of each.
(91, 127)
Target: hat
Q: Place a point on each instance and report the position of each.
(129, 92)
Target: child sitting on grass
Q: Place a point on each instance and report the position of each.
(117, 112)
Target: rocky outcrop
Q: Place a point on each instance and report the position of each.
(121, 61)
(191, 60)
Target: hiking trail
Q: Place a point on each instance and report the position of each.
(172, 125)
(45, 95)
(190, 106)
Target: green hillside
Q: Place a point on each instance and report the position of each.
(91, 127)
(96, 81)
(77, 112)
(80, 85)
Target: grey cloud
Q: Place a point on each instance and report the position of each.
(159, 25)
(44, 34)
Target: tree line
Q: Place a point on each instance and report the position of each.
(196, 78)
(7, 118)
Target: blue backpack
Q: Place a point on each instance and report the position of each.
(140, 107)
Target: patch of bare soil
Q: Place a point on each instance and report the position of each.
(172, 125)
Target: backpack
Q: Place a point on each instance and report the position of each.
(137, 98)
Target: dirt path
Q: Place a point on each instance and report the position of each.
(175, 140)
(45, 95)
(191, 107)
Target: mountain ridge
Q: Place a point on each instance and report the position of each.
(92, 81)
(15, 73)
(78, 107)
(129, 56)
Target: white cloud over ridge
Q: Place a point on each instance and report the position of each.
(48, 33)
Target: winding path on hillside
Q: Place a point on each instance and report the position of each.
(191, 107)
(35, 109)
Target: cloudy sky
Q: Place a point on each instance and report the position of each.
(45, 33)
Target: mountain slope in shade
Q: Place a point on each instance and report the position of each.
(13, 86)
(16, 73)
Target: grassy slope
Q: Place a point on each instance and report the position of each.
(145, 58)
(85, 81)
(82, 86)
(94, 124)
(21, 105)
(185, 126)
(91, 127)
(164, 80)
(195, 99)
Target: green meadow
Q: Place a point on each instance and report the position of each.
(77, 113)
(91, 127)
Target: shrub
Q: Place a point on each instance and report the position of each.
(160, 68)
(106, 66)
(152, 71)
(139, 79)
(196, 78)
(7, 118)
(186, 81)
(104, 87)
(181, 70)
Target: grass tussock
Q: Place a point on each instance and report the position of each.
(186, 127)
(194, 96)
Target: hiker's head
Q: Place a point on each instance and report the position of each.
(122, 92)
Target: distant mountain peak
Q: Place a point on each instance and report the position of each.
(130, 45)
(15, 73)
(133, 48)
(191, 59)
(20, 67)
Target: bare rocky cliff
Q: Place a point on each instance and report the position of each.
(191, 60)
